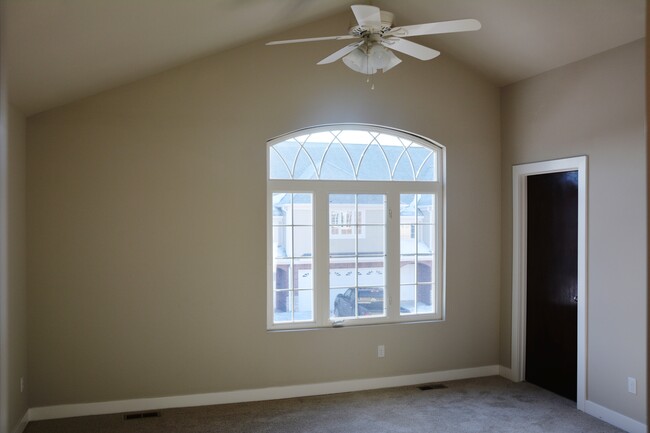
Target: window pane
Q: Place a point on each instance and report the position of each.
(303, 305)
(355, 137)
(343, 272)
(404, 169)
(393, 155)
(374, 165)
(341, 245)
(419, 156)
(407, 299)
(282, 306)
(337, 164)
(302, 209)
(288, 150)
(425, 298)
(407, 270)
(281, 203)
(416, 299)
(356, 152)
(370, 301)
(371, 272)
(282, 241)
(305, 168)
(427, 171)
(303, 274)
(316, 145)
(393, 148)
(290, 243)
(426, 239)
(371, 209)
(425, 267)
(357, 254)
(281, 275)
(371, 240)
(352, 155)
(317, 151)
(343, 303)
(321, 137)
(417, 244)
(426, 208)
(342, 209)
(278, 168)
(302, 241)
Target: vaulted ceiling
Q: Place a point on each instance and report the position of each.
(58, 51)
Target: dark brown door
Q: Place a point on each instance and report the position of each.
(552, 276)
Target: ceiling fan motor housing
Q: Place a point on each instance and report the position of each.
(386, 25)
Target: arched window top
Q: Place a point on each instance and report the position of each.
(353, 152)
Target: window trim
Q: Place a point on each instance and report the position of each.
(320, 223)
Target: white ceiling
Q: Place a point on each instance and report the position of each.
(58, 51)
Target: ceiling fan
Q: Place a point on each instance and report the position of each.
(375, 37)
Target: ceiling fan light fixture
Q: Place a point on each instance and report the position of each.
(357, 60)
(393, 61)
(369, 61)
(378, 56)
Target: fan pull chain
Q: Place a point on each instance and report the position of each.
(371, 82)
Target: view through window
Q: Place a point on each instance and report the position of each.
(355, 227)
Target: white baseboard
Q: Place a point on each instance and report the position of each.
(506, 372)
(274, 393)
(614, 418)
(22, 424)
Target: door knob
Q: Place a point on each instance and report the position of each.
(575, 299)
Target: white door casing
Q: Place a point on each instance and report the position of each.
(520, 174)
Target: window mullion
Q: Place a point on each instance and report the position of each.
(321, 257)
(438, 282)
(392, 255)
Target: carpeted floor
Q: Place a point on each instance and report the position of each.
(490, 404)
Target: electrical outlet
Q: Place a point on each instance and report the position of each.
(22, 384)
(381, 351)
(631, 385)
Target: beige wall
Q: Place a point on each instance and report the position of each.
(13, 334)
(146, 227)
(594, 107)
(17, 359)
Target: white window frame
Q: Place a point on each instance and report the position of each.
(321, 235)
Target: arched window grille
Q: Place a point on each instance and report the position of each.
(355, 227)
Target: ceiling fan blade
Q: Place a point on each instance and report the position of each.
(340, 53)
(324, 38)
(436, 28)
(368, 16)
(411, 48)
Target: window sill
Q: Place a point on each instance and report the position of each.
(299, 327)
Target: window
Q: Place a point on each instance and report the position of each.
(341, 222)
(355, 227)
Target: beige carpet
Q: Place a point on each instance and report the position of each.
(491, 404)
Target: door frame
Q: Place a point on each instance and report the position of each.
(520, 174)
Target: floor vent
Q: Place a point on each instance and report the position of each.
(140, 415)
(431, 386)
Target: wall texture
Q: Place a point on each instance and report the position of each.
(17, 321)
(594, 107)
(146, 226)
